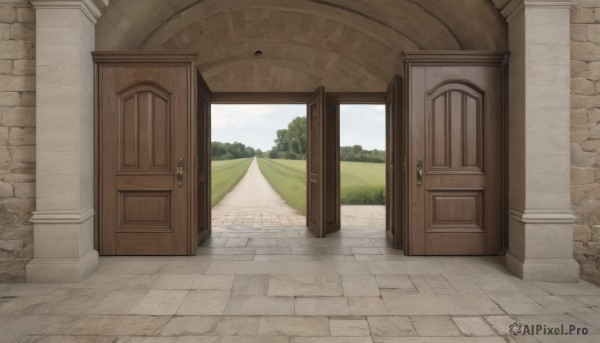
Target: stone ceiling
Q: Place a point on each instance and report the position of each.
(346, 45)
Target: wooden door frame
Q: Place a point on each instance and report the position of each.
(143, 59)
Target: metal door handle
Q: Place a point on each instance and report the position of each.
(180, 172)
(419, 172)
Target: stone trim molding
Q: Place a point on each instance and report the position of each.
(91, 8)
(67, 217)
(545, 270)
(542, 216)
(15, 3)
(62, 270)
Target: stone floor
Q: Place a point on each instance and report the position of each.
(281, 285)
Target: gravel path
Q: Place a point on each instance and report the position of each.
(254, 204)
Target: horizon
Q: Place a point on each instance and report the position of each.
(255, 125)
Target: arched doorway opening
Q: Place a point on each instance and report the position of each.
(356, 41)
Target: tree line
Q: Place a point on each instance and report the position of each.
(291, 144)
(230, 151)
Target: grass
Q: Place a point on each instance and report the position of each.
(225, 175)
(361, 183)
(288, 178)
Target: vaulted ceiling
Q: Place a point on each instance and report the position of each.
(346, 45)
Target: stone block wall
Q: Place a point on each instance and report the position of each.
(17, 137)
(585, 135)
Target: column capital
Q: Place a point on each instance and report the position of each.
(510, 8)
(91, 8)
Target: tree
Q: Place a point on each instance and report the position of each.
(296, 136)
(281, 143)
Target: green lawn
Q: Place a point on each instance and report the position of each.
(361, 183)
(225, 175)
(288, 178)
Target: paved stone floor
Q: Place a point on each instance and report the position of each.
(263, 278)
(284, 286)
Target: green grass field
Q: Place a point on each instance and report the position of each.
(361, 183)
(288, 178)
(225, 175)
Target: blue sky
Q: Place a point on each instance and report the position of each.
(255, 125)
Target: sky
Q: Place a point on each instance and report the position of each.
(256, 125)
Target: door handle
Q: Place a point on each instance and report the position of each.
(180, 172)
(419, 172)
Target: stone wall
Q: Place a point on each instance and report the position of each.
(17, 137)
(585, 135)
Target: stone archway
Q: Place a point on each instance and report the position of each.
(313, 42)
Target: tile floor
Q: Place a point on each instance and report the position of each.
(281, 285)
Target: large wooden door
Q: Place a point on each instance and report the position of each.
(455, 165)
(203, 162)
(145, 156)
(395, 194)
(322, 172)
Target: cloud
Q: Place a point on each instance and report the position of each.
(256, 125)
(240, 116)
(253, 125)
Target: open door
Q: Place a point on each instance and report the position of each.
(203, 162)
(322, 184)
(395, 194)
(331, 161)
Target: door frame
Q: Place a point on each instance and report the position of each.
(263, 98)
(303, 98)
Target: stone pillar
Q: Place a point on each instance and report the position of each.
(540, 217)
(63, 221)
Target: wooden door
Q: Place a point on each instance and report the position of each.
(395, 164)
(322, 172)
(331, 162)
(203, 162)
(144, 158)
(455, 163)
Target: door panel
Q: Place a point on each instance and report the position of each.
(203, 162)
(315, 170)
(395, 167)
(455, 158)
(144, 116)
(331, 161)
(322, 186)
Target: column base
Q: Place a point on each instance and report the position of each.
(62, 270)
(560, 270)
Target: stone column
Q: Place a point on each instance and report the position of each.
(63, 221)
(540, 217)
